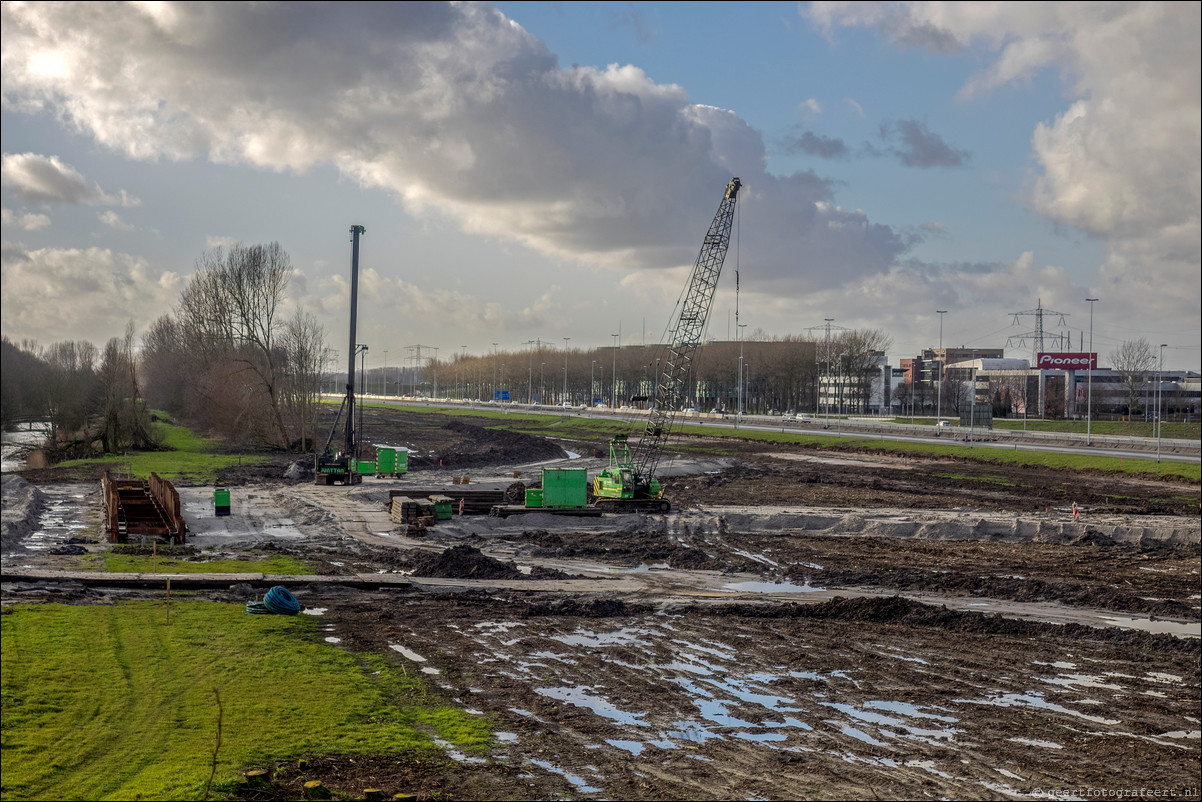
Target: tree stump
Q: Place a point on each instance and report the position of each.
(315, 790)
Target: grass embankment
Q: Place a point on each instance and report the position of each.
(185, 457)
(280, 564)
(114, 702)
(1169, 430)
(575, 426)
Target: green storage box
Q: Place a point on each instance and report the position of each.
(444, 507)
(366, 468)
(564, 488)
(534, 497)
(385, 461)
(221, 501)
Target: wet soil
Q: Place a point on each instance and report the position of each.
(686, 689)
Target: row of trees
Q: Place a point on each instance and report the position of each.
(223, 359)
(89, 396)
(778, 373)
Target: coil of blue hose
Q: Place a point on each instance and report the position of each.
(278, 601)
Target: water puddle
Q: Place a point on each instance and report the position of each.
(633, 747)
(580, 697)
(455, 754)
(507, 737)
(627, 636)
(1157, 627)
(412, 655)
(1080, 681)
(332, 639)
(771, 587)
(580, 784)
(314, 610)
(1035, 699)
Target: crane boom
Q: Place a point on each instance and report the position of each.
(686, 334)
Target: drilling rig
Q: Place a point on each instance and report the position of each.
(629, 482)
(331, 468)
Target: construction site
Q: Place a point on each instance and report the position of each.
(671, 613)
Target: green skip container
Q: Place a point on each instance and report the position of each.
(564, 488)
(221, 501)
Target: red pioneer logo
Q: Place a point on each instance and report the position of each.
(1077, 361)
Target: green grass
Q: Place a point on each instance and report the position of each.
(186, 457)
(112, 702)
(140, 564)
(1169, 430)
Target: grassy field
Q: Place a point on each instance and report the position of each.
(603, 428)
(141, 564)
(1169, 430)
(185, 457)
(115, 702)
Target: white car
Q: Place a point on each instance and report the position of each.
(943, 424)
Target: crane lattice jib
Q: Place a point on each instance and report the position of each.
(686, 332)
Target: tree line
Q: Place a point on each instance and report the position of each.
(224, 358)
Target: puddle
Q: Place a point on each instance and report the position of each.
(579, 697)
(507, 737)
(770, 587)
(760, 737)
(412, 655)
(627, 636)
(1035, 699)
(580, 784)
(455, 754)
(315, 610)
(633, 747)
(332, 639)
(1080, 681)
(1158, 627)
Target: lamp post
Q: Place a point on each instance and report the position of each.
(739, 413)
(939, 381)
(613, 398)
(542, 392)
(827, 405)
(1089, 381)
(494, 371)
(565, 369)
(1159, 395)
(972, 406)
(592, 388)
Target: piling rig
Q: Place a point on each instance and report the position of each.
(331, 468)
(629, 483)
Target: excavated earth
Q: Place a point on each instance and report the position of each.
(807, 624)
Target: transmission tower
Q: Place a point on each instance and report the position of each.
(1039, 335)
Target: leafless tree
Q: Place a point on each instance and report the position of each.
(303, 342)
(228, 312)
(862, 349)
(124, 420)
(1134, 360)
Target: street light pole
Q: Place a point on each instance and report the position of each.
(827, 405)
(494, 371)
(1089, 381)
(972, 407)
(939, 384)
(592, 388)
(565, 369)
(1159, 395)
(613, 398)
(739, 414)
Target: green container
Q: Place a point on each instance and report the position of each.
(402, 460)
(564, 488)
(385, 460)
(534, 497)
(366, 468)
(221, 501)
(444, 507)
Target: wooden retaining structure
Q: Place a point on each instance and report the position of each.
(143, 509)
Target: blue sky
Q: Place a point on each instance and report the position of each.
(897, 159)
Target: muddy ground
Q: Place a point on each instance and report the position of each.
(806, 624)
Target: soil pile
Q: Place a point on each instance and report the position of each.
(463, 562)
(22, 505)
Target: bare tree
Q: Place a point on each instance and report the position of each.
(228, 312)
(124, 422)
(304, 357)
(862, 350)
(1134, 360)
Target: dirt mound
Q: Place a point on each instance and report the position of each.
(463, 562)
(23, 505)
(478, 446)
(595, 608)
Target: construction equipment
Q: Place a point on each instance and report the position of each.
(629, 482)
(331, 468)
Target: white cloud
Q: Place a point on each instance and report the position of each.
(86, 290)
(1123, 161)
(452, 107)
(812, 106)
(25, 221)
(45, 179)
(113, 220)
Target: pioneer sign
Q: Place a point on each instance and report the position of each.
(1068, 361)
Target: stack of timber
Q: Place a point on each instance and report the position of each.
(146, 509)
(474, 502)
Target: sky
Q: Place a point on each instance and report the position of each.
(546, 171)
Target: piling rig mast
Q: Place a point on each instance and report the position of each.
(343, 466)
(630, 479)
